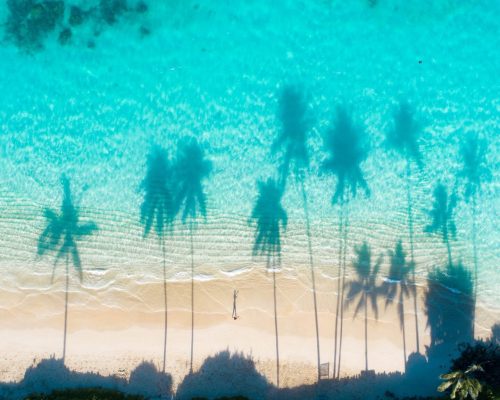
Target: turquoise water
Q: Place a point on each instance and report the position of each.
(94, 109)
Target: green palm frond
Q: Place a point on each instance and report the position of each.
(462, 384)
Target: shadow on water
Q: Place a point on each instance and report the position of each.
(224, 374)
(397, 286)
(474, 173)
(365, 287)
(403, 138)
(292, 139)
(269, 218)
(292, 143)
(157, 211)
(191, 170)
(63, 230)
(51, 374)
(441, 215)
(346, 147)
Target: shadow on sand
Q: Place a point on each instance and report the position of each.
(51, 373)
(224, 375)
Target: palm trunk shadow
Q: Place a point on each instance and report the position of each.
(366, 330)
(412, 253)
(337, 311)
(66, 309)
(311, 263)
(192, 296)
(402, 316)
(475, 257)
(276, 333)
(342, 288)
(166, 304)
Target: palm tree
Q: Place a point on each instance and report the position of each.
(461, 383)
(397, 286)
(60, 235)
(344, 144)
(365, 287)
(475, 172)
(442, 217)
(403, 138)
(293, 142)
(270, 218)
(191, 169)
(157, 212)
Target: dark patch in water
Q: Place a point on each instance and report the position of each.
(65, 36)
(144, 31)
(111, 10)
(76, 16)
(141, 7)
(29, 22)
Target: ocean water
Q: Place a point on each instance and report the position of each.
(95, 108)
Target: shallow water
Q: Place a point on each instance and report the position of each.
(215, 71)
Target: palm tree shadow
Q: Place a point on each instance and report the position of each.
(347, 150)
(60, 236)
(269, 218)
(474, 173)
(158, 197)
(191, 170)
(157, 211)
(292, 142)
(292, 139)
(365, 287)
(396, 286)
(403, 139)
(449, 307)
(441, 216)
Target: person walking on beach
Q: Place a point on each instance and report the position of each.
(235, 314)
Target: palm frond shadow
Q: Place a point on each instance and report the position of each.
(441, 214)
(291, 142)
(191, 169)
(157, 209)
(269, 217)
(63, 230)
(475, 171)
(365, 287)
(405, 134)
(347, 150)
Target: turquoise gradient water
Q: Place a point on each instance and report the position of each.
(215, 70)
